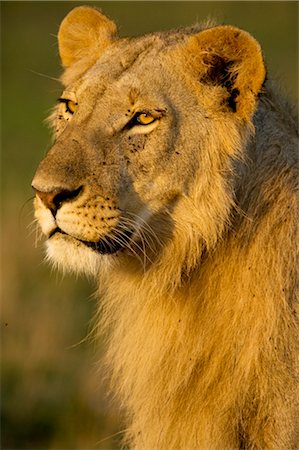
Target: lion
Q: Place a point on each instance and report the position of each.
(172, 179)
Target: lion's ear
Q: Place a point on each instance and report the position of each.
(83, 34)
(230, 58)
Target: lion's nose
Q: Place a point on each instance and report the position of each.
(54, 199)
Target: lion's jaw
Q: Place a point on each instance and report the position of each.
(72, 246)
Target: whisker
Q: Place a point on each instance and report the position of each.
(38, 236)
(139, 232)
(143, 242)
(44, 75)
(111, 436)
(146, 226)
(145, 238)
(121, 239)
(21, 211)
(34, 228)
(124, 243)
(32, 224)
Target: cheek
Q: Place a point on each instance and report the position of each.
(155, 168)
(158, 193)
(60, 124)
(144, 155)
(136, 156)
(61, 120)
(133, 146)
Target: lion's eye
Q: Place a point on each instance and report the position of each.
(70, 105)
(144, 119)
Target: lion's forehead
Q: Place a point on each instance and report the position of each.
(126, 64)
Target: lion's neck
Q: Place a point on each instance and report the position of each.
(193, 350)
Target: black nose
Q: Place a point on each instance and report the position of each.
(55, 198)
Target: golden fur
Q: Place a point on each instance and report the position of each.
(199, 302)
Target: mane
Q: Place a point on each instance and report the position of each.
(209, 318)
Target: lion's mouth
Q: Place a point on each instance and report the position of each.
(105, 246)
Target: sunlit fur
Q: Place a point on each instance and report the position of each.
(199, 309)
(204, 354)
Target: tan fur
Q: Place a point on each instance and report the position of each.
(199, 304)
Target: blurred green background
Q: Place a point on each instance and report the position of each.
(53, 388)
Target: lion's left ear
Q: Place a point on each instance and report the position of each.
(230, 58)
(83, 34)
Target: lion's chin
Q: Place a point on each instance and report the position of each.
(69, 254)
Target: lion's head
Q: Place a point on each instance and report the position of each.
(145, 130)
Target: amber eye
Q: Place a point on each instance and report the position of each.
(145, 119)
(70, 105)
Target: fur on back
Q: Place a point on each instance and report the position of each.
(199, 305)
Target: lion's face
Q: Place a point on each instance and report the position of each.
(119, 158)
(132, 129)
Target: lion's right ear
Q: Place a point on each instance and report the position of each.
(83, 34)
